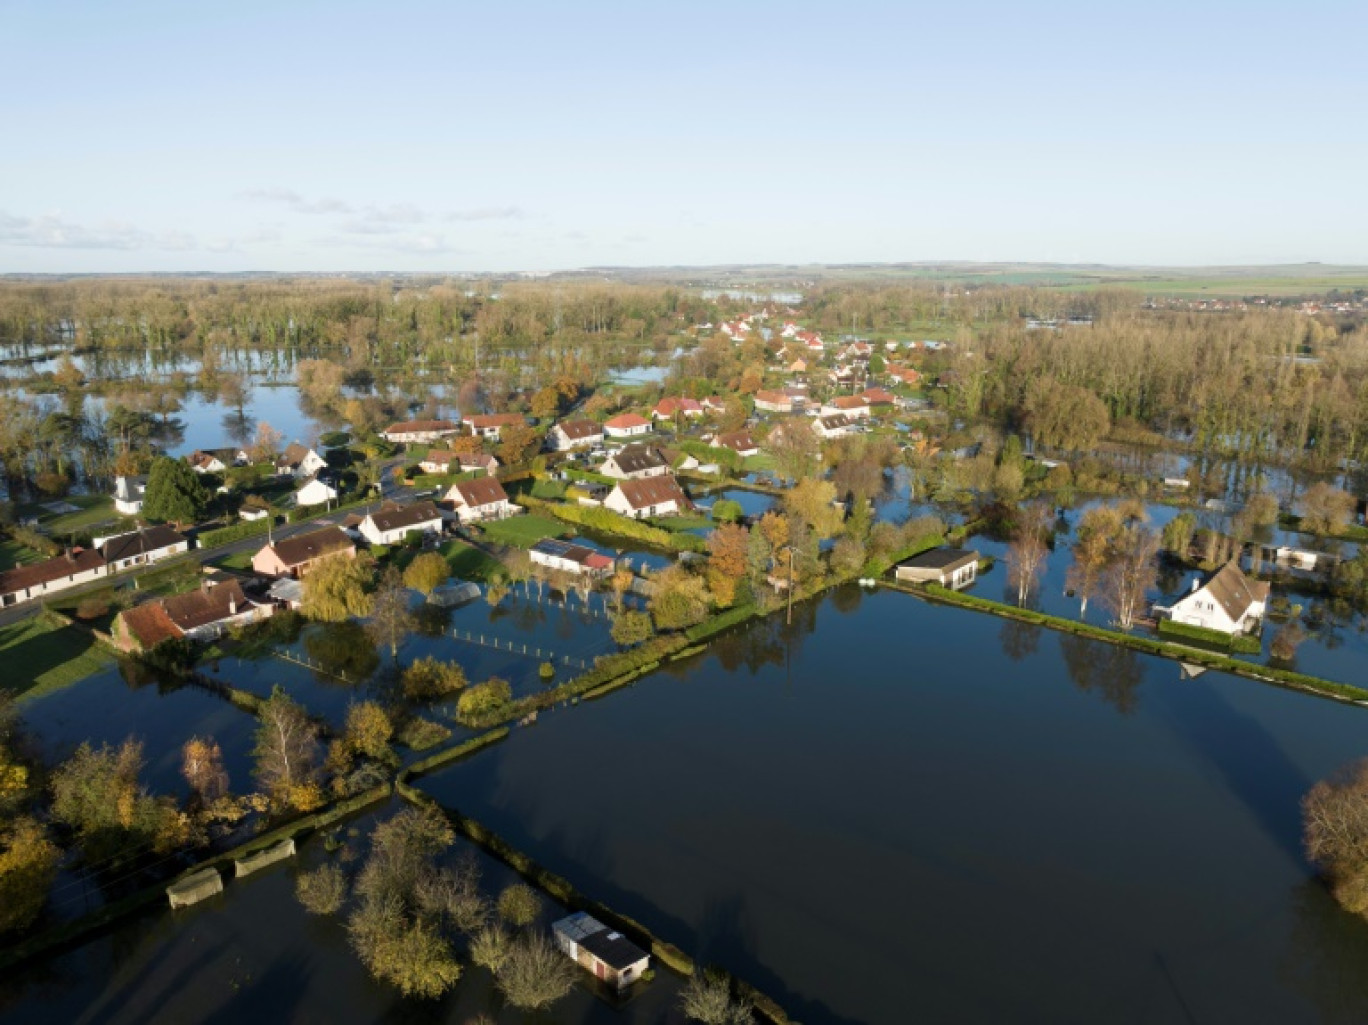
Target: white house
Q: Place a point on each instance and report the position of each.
(854, 406)
(649, 496)
(128, 494)
(299, 462)
(483, 498)
(606, 954)
(1229, 602)
(573, 434)
(570, 558)
(411, 431)
(773, 401)
(626, 425)
(632, 462)
(950, 567)
(835, 426)
(77, 566)
(393, 524)
(141, 547)
(489, 425)
(315, 491)
(739, 442)
(667, 408)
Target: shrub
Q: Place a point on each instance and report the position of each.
(631, 628)
(323, 890)
(427, 679)
(91, 608)
(419, 734)
(519, 904)
(546, 670)
(484, 698)
(238, 531)
(535, 974)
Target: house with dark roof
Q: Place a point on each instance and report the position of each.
(128, 494)
(836, 425)
(739, 442)
(949, 567)
(633, 462)
(411, 431)
(37, 579)
(200, 615)
(299, 461)
(1229, 602)
(294, 556)
(603, 952)
(573, 434)
(393, 523)
(648, 496)
(141, 547)
(483, 498)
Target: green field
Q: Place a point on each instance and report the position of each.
(93, 511)
(470, 563)
(12, 554)
(523, 531)
(40, 656)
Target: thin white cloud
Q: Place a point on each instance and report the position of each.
(51, 231)
(494, 213)
(294, 201)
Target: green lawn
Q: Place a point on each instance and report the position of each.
(40, 656)
(470, 563)
(679, 524)
(238, 560)
(757, 463)
(12, 554)
(523, 531)
(93, 511)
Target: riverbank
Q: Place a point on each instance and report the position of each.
(1165, 649)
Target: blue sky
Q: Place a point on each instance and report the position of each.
(533, 136)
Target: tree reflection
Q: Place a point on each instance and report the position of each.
(1019, 639)
(342, 650)
(1111, 672)
(847, 599)
(432, 620)
(1327, 948)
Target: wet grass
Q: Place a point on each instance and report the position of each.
(469, 563)
(523, 531)
(39, 656)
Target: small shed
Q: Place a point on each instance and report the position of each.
(456, 593)
(608, 954)
(950, 567)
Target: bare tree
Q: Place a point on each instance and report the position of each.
(391, 619)
(286, 747)
(1335, 828)
(1130, 575)
(1028, 551)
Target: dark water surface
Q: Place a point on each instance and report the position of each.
(918, 813)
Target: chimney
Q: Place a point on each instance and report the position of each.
(1196, 584)
(232, 605)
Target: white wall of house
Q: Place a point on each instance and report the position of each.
(499, 510)
(372, 532)
(627, 432)
(315, 493)
(617, 502)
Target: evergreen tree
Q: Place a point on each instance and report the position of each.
(174, 492)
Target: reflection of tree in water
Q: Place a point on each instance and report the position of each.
(239, 426)
(1019, 639)
(1325, 621)
(342, 649)
(528, 615)
(137, 674)
(1170, 576)
(1326, 950)
(766, 642)
(847, 599)
(169, 432)
(432, 620)
(1112, 673)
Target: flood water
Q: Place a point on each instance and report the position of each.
(916, 813)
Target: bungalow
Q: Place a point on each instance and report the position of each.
(215, 460)
(739, 442)
(626, 425)
(853, 406)
(813, 341)
(489, 425)
(789, 330)
(633, 462)
(608, 955)
(128, 494)
(468, 461)
(713, 404)
(141, 547)
(298, 461)
(317, 490)
(835, 425)
(573, 434)
(393, 523)
(1229, 602)
(668, 408)
(904, 375)
(651, 496)
(205, 614)
(483, 498)
(439, 461)
(70, 569)
(294, 556)
(878, 397)
(949, 567)
(410, 431)
(773, 401)
(570, 558)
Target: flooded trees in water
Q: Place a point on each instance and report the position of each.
(323, 890)
(1335, 827)
(707, 998)
(1130, 574)
(391, 621)
(1028, 551)
(427, 572)
(535, 973)
(202, 767)
(286, 753)
(28, 865)
(335, 588)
